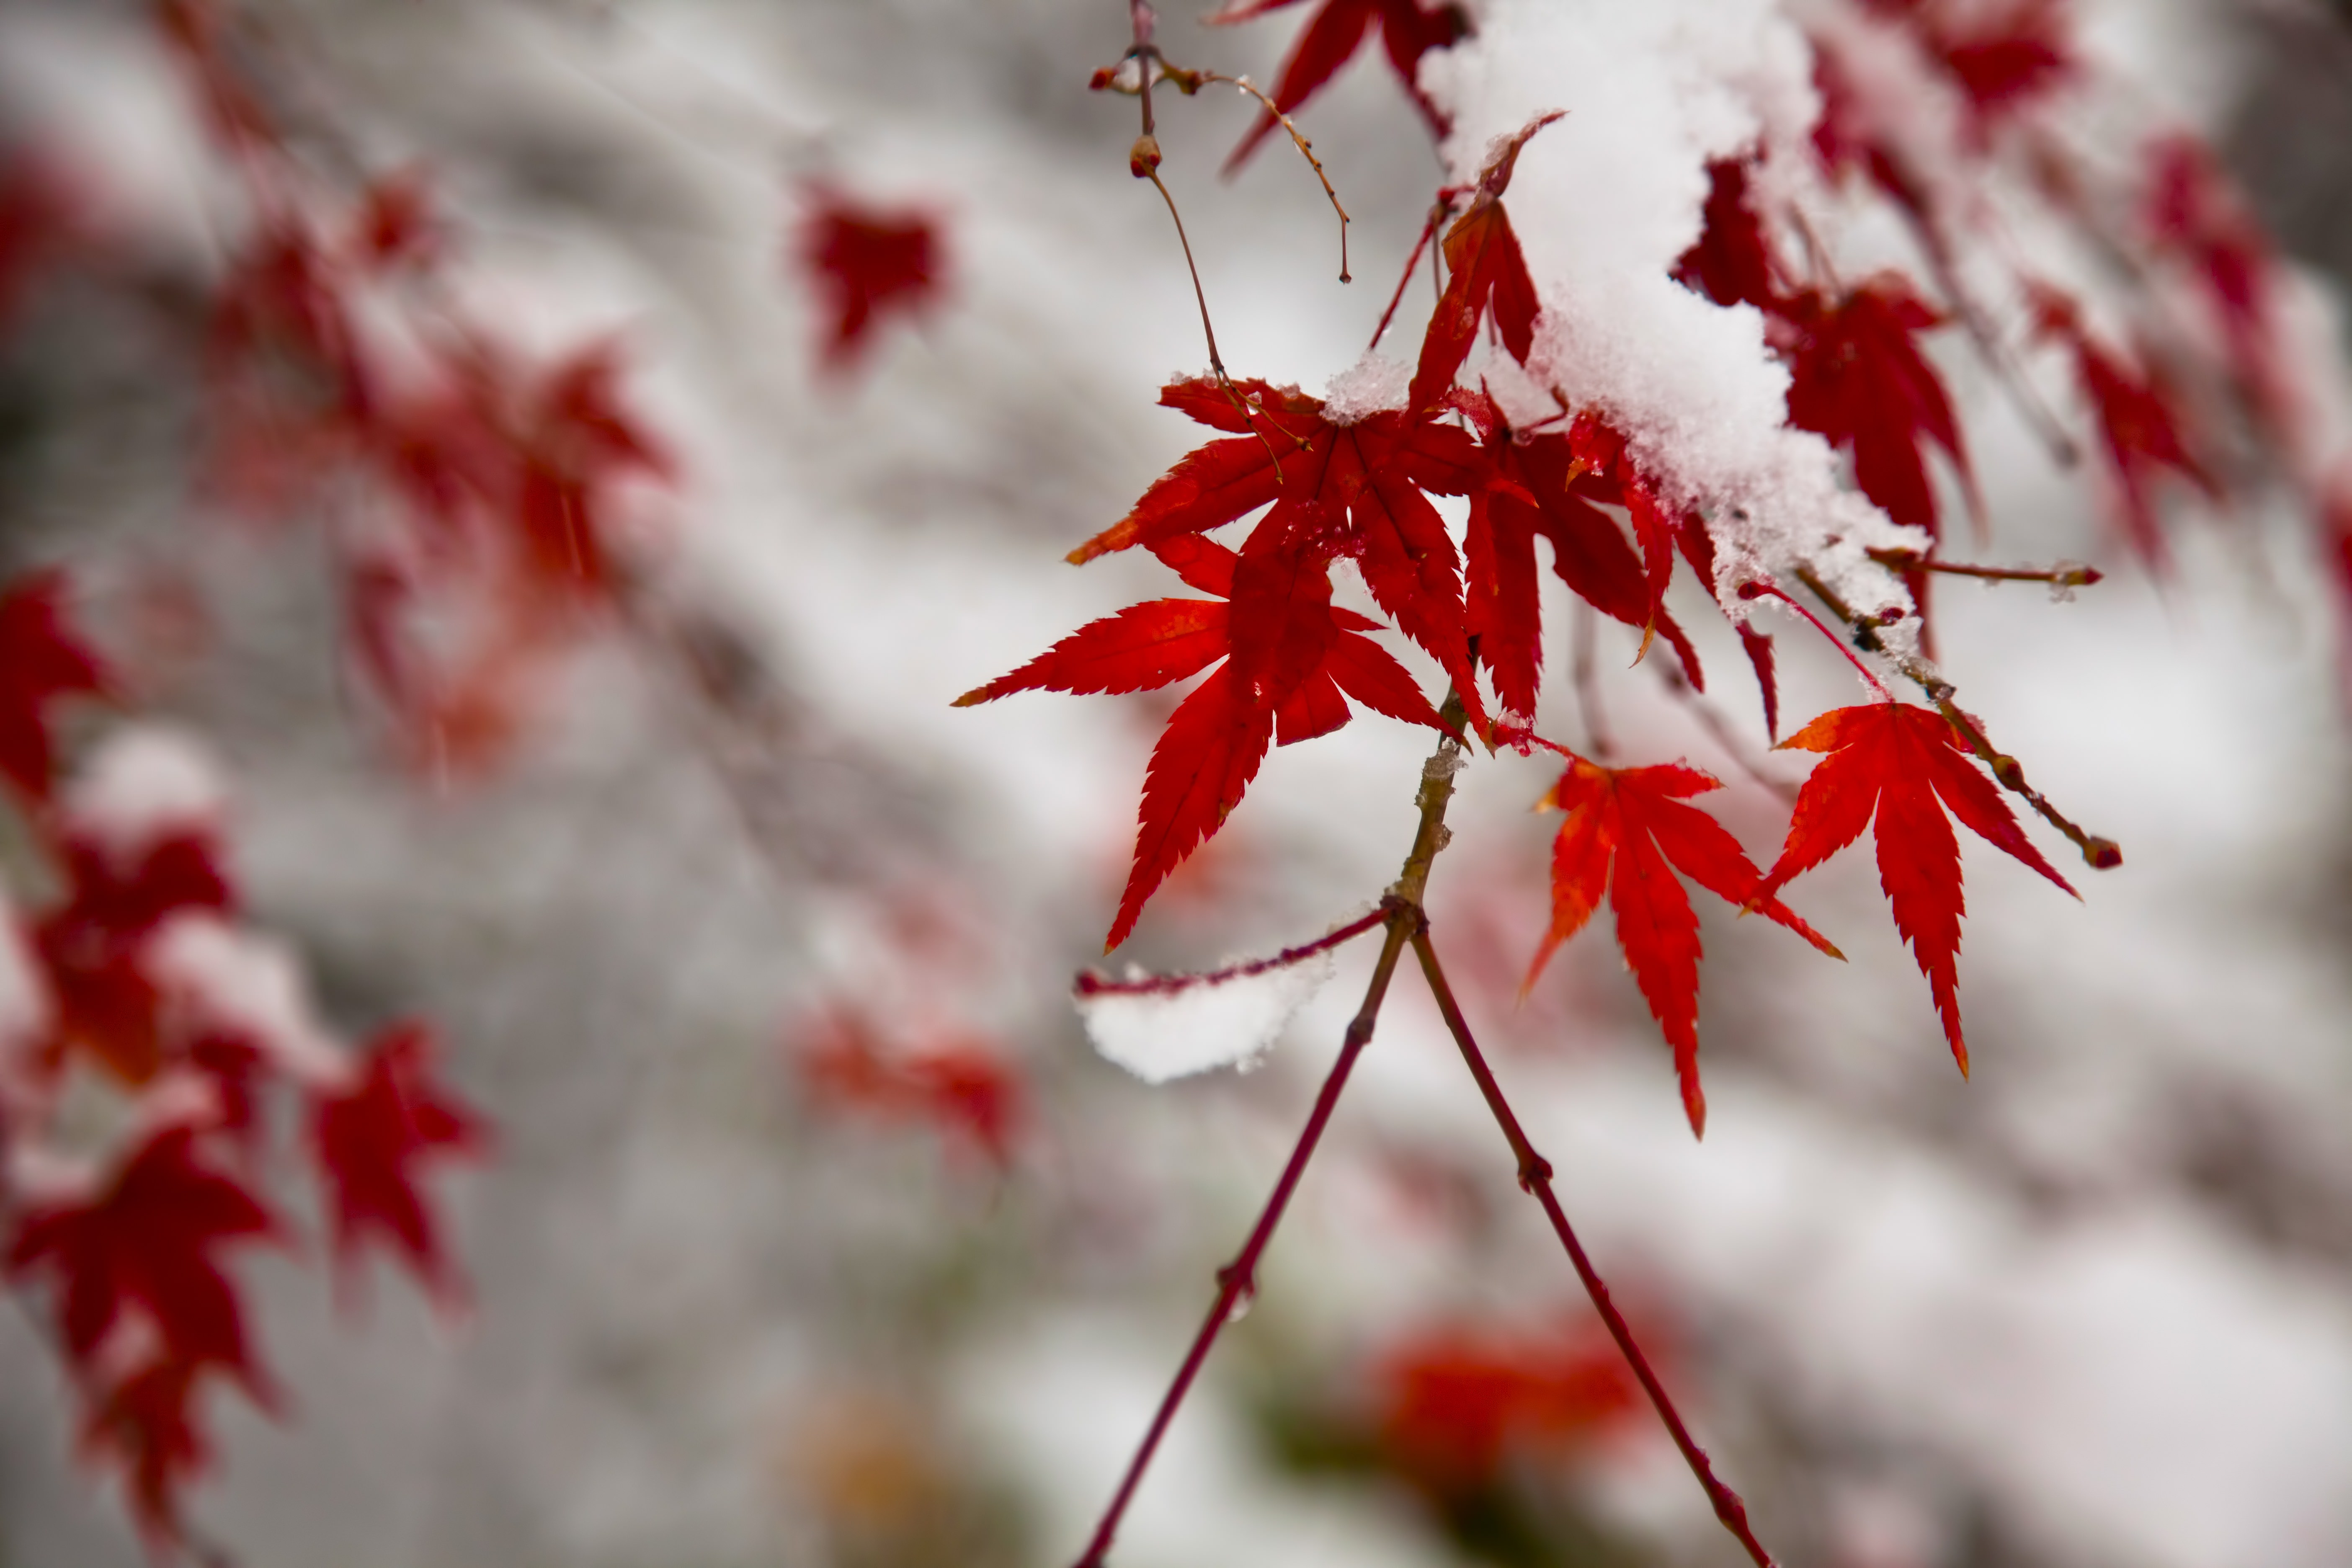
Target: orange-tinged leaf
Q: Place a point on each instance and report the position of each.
(1902, 767)
(1628, 831)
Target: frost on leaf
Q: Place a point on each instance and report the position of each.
(1627, 832)
(1902, 767)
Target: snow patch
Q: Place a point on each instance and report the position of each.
(1222, 1023)
(250, 984)
(144, 785)
(1373, 384)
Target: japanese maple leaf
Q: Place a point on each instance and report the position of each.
(1628, 830)
(372, 1140)
(2193, 213)
(1893, 764)
(146, 1426)
(90, 944)
(868, 264)
(2002, 55)
(1485, 274)
(1536, 485)
(1457, 1399)
(41, 660)
(1408, 31)
(1345, 489)
(959, 1085)
(1857, 376)
(143, 1255)
(1731, 262)
(1289, 654)
(2139, 426)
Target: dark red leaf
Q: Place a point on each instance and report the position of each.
(1731, 263)
(868, 264)
(372, 1141)
(1485, 274)
(42, 660)
(1332, 36)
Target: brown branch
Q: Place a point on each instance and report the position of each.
(1237, 1282)
(2099, 854)
(2065, 575)
(1534, 1177)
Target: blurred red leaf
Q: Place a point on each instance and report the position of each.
(868, 265)
(42, 659)
(959, 1086)
(1457, 1400)
(372, 1141)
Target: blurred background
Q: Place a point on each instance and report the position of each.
(816, 1233)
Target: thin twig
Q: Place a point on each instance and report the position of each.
(1767, 591)
(1726, 738)
(1092, 984)
(1584, 674)
(2099, 854)
(1437, 211)
(1189, 81)
(2065, 575)
(1237, 1282)
(1534, 1177)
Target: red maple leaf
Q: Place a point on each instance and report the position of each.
(1408, 30)
(1626, 828)
(959, 1086)
(90, 943)
(41, 660)
(1458, 1400)
(1486, 274)
(1354, 491)
(2138, 420)
(2194, 213)
(867, 264)
(1289, 655)
(2002, 56)
(1553, 485)
(1857, 377)
(1731, 262)
(146, 1425)
(1894, 763)
(370, 1141)
(146, 1245)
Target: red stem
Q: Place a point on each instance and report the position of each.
(1437, 211)
(1093, 984)
(1238, 1279)
(1534, 1175)
(1765, 591)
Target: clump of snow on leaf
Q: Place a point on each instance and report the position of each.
(1604, 201)
(1373, 384)
(145, 783)
(1231, 1022)
(251, 986)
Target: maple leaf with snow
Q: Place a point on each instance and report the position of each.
(867, 264)
(1553, 485)
(1627, 831)
(42, 660)
(370, 1141)
(1289, 655)
(1901, 768)
(1408, 29)
(1352, 489)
